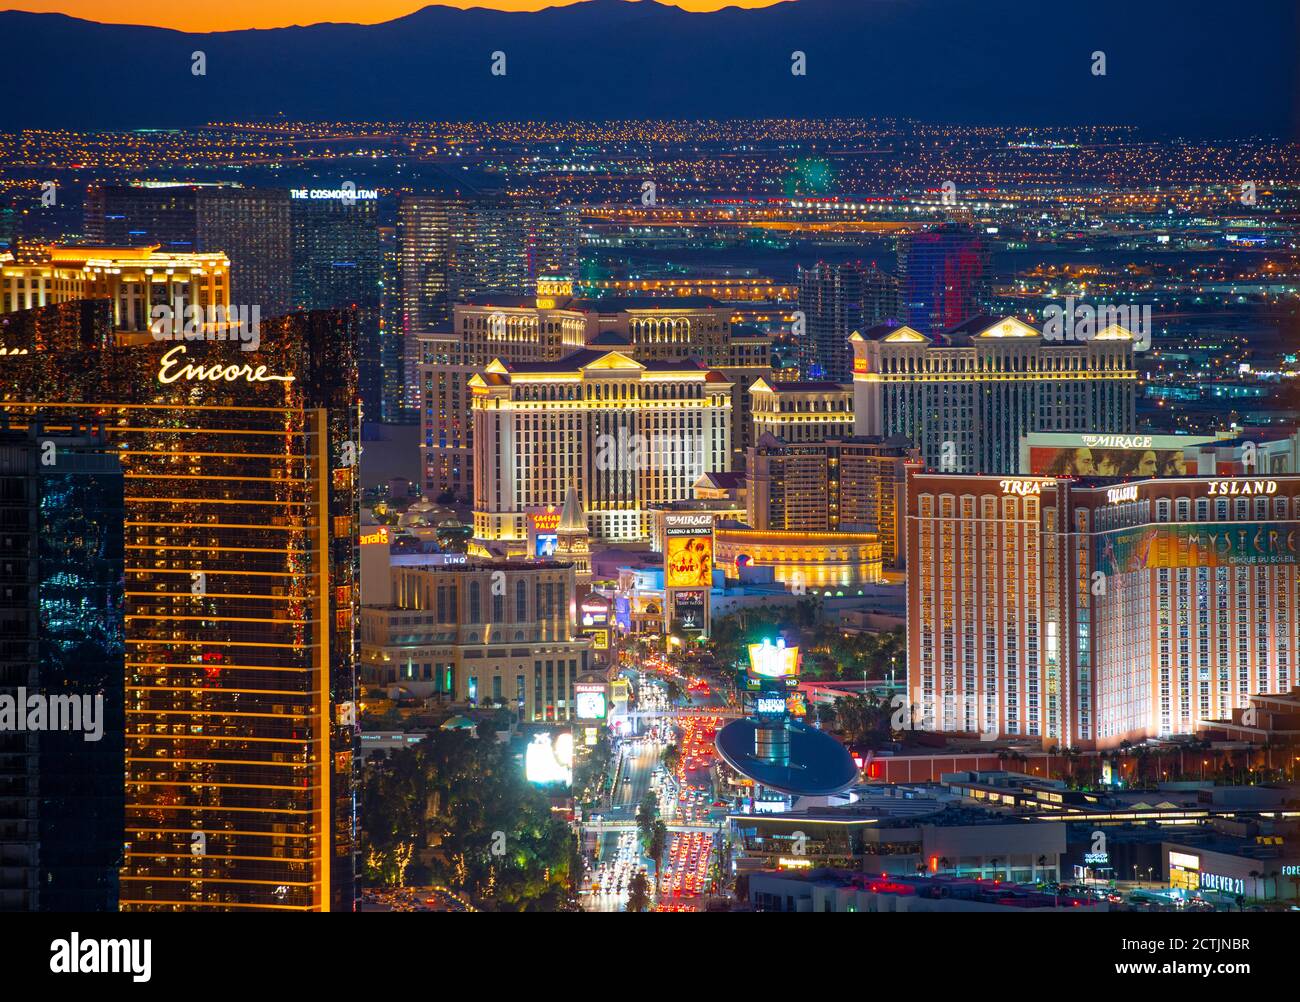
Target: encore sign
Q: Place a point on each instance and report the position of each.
(170, 369)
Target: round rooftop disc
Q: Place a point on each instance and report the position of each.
(819, 765)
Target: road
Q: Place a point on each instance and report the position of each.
(684, 799)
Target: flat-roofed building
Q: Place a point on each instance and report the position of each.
(485, 632)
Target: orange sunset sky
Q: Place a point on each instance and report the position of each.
(231, 14)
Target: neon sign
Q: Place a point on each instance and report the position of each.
(1242, 487)
(1117, 494)
(1023, 488)
(170, 369)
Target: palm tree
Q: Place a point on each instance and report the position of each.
(638, 893)
(655, 850)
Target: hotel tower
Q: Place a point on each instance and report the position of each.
(239, 500)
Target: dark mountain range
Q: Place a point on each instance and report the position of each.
(1191, 66)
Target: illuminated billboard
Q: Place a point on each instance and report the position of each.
(770, 706)
(688, 610)
(770, 662)
(594, 613)
(590, 701)
(1237, 544)
(549, 759)
(1050, 454)
(688, 551)
(542, 525)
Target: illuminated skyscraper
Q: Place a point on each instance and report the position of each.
(965, 396)
(336, 265)
(943, 278)
(251, 227)
(1089, 613)
(240, 591)
(836, 300)
(453, 248)
(129, 215)
(552, 324)
(628, 434)
(837, 485)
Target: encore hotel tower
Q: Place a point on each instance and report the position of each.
(240, 594)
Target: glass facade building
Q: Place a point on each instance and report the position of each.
(240, 505)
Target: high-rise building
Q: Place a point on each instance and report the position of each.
(61, 574)
(1091, 612)
(628, 434)
(801, 412)
(159, 215)
(836, 300)
(251, 227)
(966, 396)
(943, 277)
(545, 328)
(394, 407)
(336, 265)
(845, 484)
(454, 248)
(485, 632)
(240, 596)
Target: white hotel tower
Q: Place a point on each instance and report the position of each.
(629, 434)
(965, 396)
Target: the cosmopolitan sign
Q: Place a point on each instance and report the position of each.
(335, 194)
(171, 369)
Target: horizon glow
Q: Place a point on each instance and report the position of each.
(237, 15)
